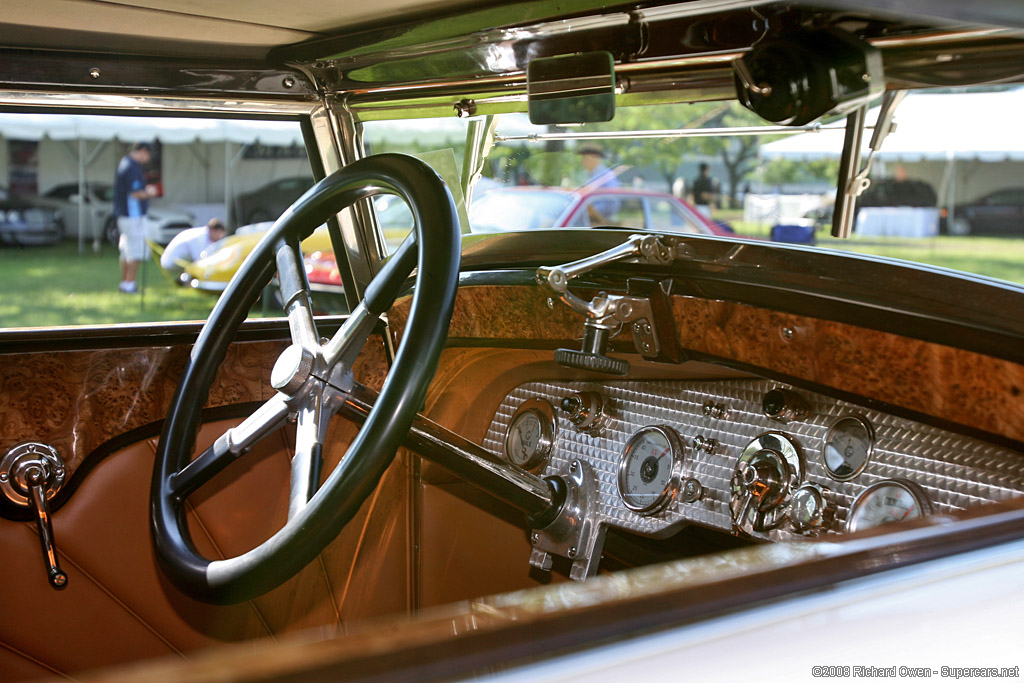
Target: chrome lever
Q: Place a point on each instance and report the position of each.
(30, 474)
(605, 314)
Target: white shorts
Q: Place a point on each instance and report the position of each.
(132, 244)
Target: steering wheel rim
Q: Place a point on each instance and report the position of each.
(436, 254)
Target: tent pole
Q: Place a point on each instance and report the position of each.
(81, 194)
(230, 161)
(97, 228)
(945, 185)
(229, 217)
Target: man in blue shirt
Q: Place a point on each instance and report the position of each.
(601, 211)
(131, 202)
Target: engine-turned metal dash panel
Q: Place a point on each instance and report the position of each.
(953, 471)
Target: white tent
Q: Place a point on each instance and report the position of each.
(130, 128)
(203, 167)
(963, 144)
(931, 126)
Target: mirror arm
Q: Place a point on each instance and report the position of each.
(847, 183)
(479, 141)
(852, 183)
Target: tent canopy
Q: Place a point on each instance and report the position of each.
(131, 128)
(930, 126)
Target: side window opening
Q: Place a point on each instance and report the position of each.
(59, 250)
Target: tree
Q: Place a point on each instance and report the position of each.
(788, 171)
(663, 155)
(739, 153)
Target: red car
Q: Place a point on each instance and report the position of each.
(511, 209)
(518, 208)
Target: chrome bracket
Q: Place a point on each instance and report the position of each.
(575, 533)
(32, 473)
(605, 314)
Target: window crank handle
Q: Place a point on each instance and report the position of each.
(36, 480)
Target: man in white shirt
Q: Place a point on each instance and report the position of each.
(187, 245)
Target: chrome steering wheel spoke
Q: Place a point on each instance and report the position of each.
(298, 305)
(312, 420)
(231, 445)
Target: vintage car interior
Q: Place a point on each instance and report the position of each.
(517, 447)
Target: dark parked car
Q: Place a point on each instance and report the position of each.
(997, 213)
(24, 222)
(895, 192)
(888, 192)
(619, 453)
(269, 201)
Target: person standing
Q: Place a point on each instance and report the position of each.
(705, 191)
(188, 245)
(602, 210)
(131, 202)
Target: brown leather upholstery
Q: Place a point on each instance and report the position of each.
(117, 605)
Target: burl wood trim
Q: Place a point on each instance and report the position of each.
(78, 400)
(951, 384)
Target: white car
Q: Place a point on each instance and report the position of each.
(162, 223)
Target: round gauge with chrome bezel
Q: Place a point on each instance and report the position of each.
(847, 448)
(650, 469)
(891, 500)
(531, 435)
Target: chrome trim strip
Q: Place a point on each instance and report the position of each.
(199, 106)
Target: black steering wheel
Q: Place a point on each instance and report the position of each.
(311, 379)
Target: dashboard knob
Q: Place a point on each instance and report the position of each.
(810, 511)
(585, 410)
(691, 491)
(784, 405)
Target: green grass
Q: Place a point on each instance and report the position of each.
(1001, 258)
(996, 257)
(52, 286)
(56, 286)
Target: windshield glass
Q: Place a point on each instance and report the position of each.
(503, 209)
(945, 188)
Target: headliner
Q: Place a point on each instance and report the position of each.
(208, 28)
(249, 30)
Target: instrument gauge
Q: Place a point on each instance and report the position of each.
(531, 435)
(887, 501)
(848, 446)
(650, 469)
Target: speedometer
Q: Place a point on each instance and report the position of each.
(888, 501)
(650, 469)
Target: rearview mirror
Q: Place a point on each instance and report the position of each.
(570, 89)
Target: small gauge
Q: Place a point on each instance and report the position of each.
(848, 447)
(887, 501)
(650, 469)
(531, 435)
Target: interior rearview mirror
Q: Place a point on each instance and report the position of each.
(570, 89)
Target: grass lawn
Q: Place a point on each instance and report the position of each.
(51, 286)
(996, 257)
(57, 286)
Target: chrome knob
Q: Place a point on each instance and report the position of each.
(783, 405)
(810, 510)
(585, 410)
